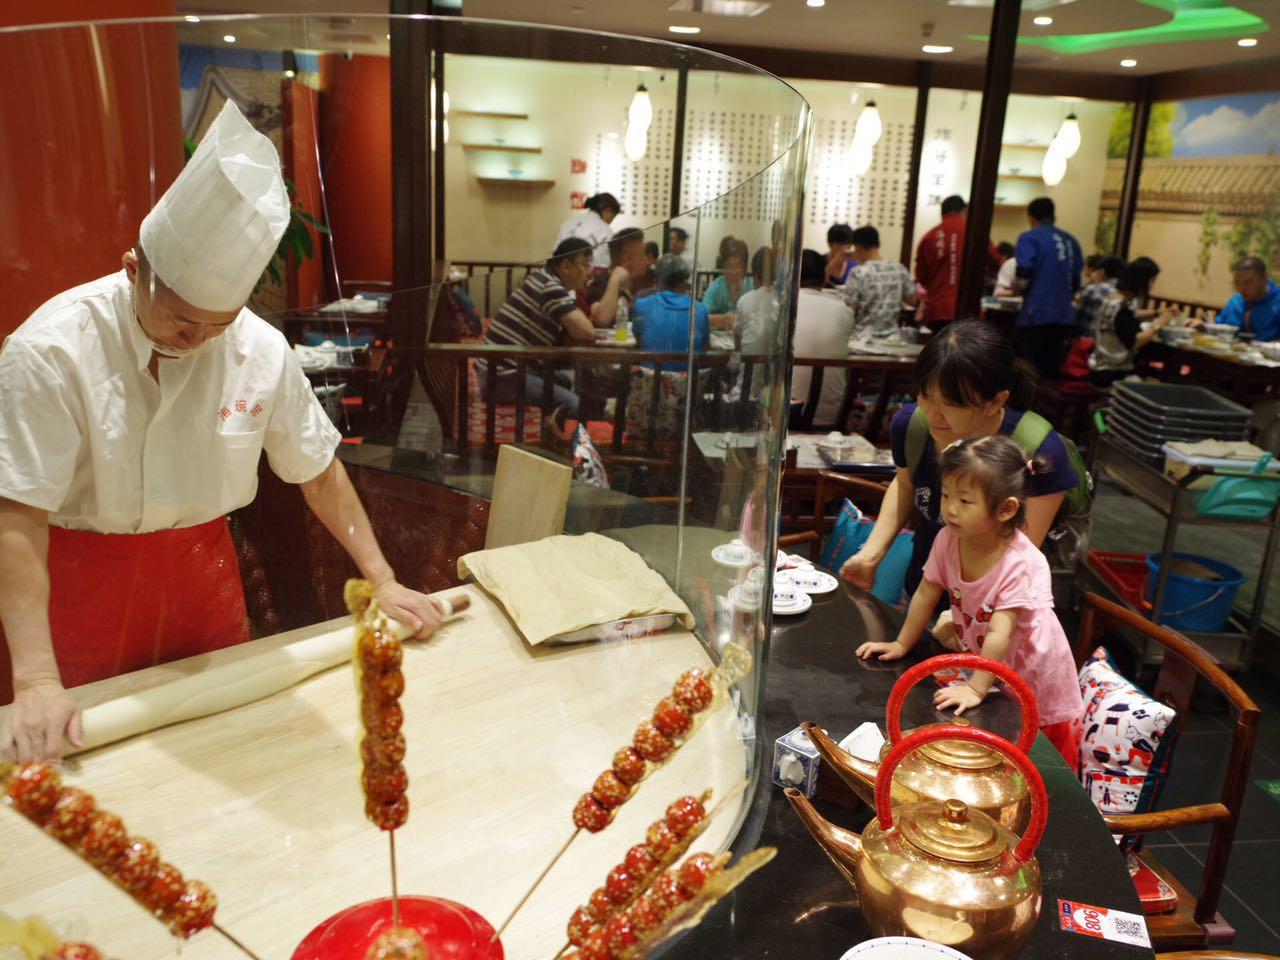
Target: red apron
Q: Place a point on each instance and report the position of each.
(121, 602)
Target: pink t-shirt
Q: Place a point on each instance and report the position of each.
(1039, 652)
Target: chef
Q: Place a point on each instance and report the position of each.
(133, 413)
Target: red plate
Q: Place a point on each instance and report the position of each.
(451, 931)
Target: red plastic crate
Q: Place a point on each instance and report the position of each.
(1126, 573)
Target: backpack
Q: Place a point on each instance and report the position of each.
(1068, 537)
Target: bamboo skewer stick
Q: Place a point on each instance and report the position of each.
(236, 943)
(395, 882)
(534, 886)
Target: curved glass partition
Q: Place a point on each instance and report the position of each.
(610, 412)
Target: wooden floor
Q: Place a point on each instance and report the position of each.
(264, 804)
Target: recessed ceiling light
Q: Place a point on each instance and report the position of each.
(230, 38)
(388, 36)
(1128, 63)
(675, 28)
(1043, 21)
(191, 19)
(936, 48)
(816, 3)
(1247, 42)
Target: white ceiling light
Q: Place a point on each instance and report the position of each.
(640, 113)
(1128, 63)
(722, 8)
(1043, 21)
(1054, 167)
(866, 134)
(936, 48)
(1067, 139)
(635, 143)
(1247, 42)
(291, 73)
(674, 28)
(815, 3)
(191, 19)
(229, 38)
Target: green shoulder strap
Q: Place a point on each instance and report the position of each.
(917, 439)
(1031, 431)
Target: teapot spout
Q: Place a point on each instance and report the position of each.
(859, 775)
(844, 847)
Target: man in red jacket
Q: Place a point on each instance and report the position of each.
(938, 261)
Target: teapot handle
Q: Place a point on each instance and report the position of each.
(1022, 694)
(1039, 796)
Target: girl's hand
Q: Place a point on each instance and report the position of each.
(860, 570)
(961, 696)
(882, 651)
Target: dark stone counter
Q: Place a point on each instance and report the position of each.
(799, 906)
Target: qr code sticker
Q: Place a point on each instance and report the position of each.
(1129, 928)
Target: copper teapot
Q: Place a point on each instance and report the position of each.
(937, 869)
(962, 770)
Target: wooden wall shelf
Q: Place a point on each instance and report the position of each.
(515, 182)
(498, 148)
(1024, 146)
(1017, 176)
(488, 115)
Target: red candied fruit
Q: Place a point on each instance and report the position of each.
(644, 915)
(667, 893)
(693, 691)
(193, 911)
(166, 886)
(640, 860)
(684, 814)
(599, 906)
(620, 884)
(381, 719)
(580, 925)
(76, 951)
(660, 839)
(388, 816)
(383, 751)
(384, 686)
(71, 815)
(380, 654)
(618, 934)
(629, 766)
(590, 815)
(137, 865)
(671, 719)
(105, 839)
(34, 790)
(695, 871)
(594, 947)
(609, 791)
(384, 784)
(651, 743)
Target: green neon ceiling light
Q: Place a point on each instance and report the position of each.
(1190, 20)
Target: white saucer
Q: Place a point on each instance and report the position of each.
(802, 604)
(736, 599)
(902, 948)
(827, 585)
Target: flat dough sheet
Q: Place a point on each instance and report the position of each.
(564, 583)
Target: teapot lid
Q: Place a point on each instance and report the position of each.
(952, 831)
(964, 754)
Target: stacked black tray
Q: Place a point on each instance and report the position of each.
(1145, 416)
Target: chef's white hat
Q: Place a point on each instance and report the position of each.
(217, 226)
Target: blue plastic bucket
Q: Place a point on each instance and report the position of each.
(1193, 603)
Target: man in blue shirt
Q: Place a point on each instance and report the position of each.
(1256, 304)
(1049, 262)
(661, 321)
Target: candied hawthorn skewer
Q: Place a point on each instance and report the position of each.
(100, 838)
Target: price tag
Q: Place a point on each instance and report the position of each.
(1103, 923)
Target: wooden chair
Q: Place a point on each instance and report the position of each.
(1196, 922)
(867, 494)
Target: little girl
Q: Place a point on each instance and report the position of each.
(999, 587)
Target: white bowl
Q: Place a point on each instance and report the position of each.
(902, 948)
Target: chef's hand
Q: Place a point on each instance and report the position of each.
(961, 696)
(882, 651)
(410, 607)
(860, 570)
(40, 715)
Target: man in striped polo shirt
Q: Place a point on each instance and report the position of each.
(543, 312)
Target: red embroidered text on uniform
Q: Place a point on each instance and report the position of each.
(224, 413)
(242, 406)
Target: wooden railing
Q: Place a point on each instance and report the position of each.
(1189, 308)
